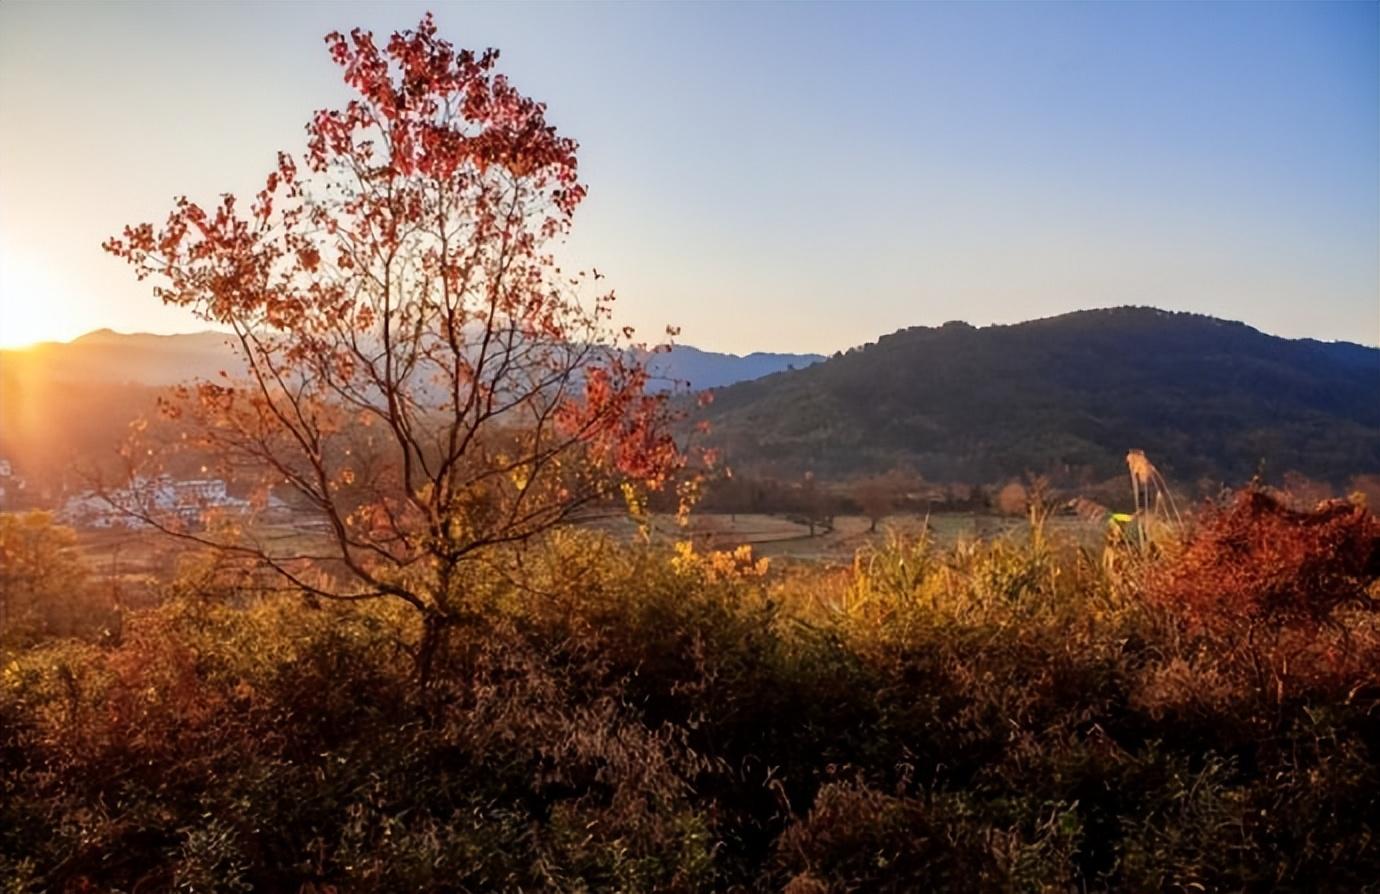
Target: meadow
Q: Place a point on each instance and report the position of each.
(1182, 709)
(782, 538)
(134, 565)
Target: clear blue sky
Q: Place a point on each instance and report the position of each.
(771, 176)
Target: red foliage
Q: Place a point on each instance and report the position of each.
(1256, 560)
(419, 370)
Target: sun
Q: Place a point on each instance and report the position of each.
(21, 326)
(31, 311)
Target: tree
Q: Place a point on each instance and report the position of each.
(420, 372)
(814, 506)
(1012, 499)
(42, 582)
(876, 495)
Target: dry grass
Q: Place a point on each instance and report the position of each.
(1012, 713)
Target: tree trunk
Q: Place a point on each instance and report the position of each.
(434, 626)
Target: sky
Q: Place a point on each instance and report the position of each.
(768, 176)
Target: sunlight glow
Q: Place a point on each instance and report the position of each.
(31, 310)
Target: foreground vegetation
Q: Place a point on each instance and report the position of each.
(1190, 712)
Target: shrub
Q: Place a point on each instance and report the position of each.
(1007, 716)
(1256, 560)
(44, 590)
(858, 839)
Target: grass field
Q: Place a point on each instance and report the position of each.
(131, 563)
(135, 560)
(778, 537)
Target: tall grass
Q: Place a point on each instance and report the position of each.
(1024, 714)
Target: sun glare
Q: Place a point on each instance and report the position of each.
(20, 328)
(30, 309)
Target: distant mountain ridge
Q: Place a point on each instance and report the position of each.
(64, 403)
(710, 369)
(113, 357)
(1068, 395)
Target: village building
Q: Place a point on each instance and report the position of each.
(186, 502)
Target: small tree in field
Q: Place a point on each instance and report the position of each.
(1013, 499)
(877, 495)
(814, 506)
(420, 374)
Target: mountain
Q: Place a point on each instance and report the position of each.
(709, 369)
(1068, 395)
(66, 404)
(112, 358)
(118, 358)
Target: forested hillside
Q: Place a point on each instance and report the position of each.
(1066, 395)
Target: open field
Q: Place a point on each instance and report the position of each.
(133, 562)
(778, 537)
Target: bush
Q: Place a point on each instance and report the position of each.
(1257, 561)
(1006, 716)
(44, 591)
(858, 839)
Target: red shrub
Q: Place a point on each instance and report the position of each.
(1255, 560)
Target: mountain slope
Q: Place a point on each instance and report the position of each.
(709, 369)
(118, 358)
(64, 405)
(1066, 395)
(112, 357)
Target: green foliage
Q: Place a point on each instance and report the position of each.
(1064, 396)
(1003, 716)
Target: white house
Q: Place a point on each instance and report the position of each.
(185, 501)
